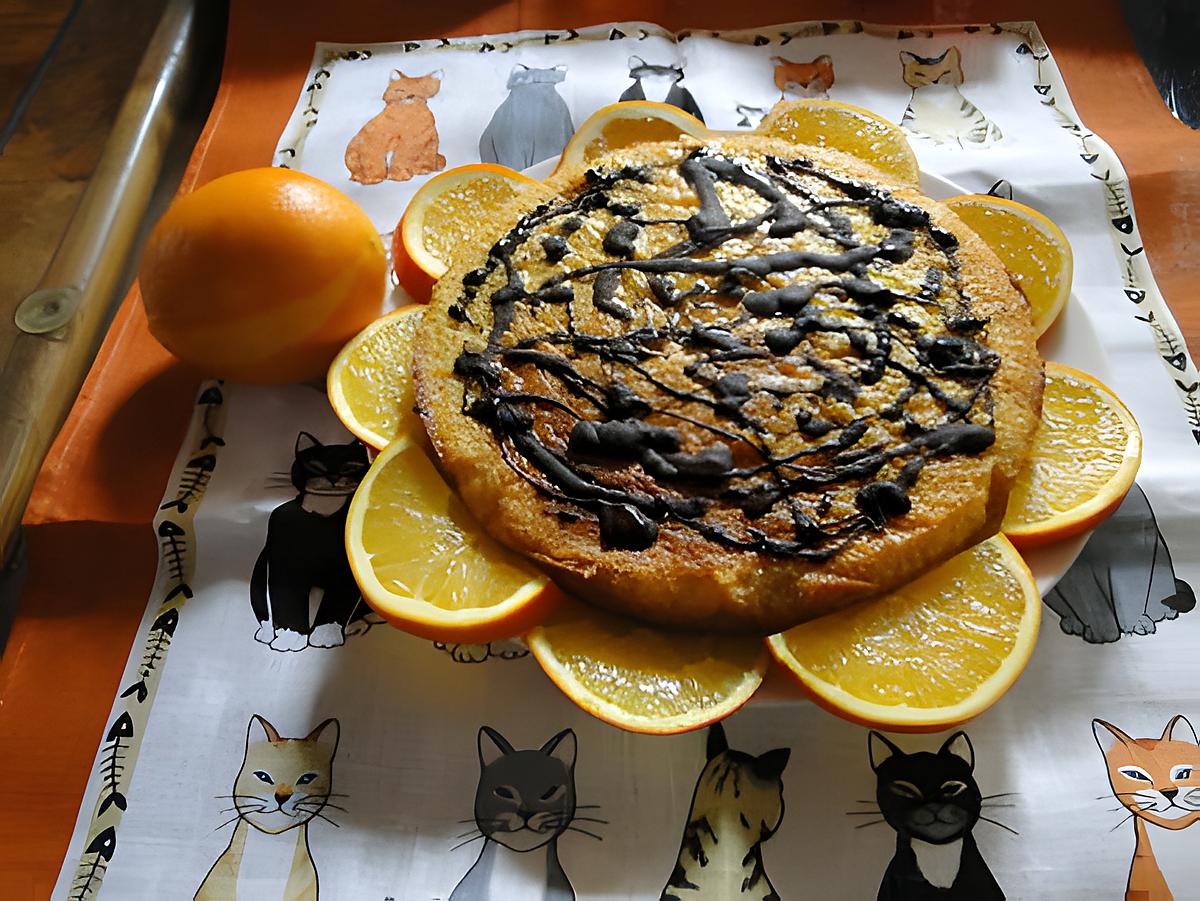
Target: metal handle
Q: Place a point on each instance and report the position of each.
(63, 322)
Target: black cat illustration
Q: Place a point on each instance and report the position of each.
(933, 803)
(532, 124)
(661, 83)
(304, 559)
(736, 807)
(1123, 583)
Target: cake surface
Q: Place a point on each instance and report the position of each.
(729, 384)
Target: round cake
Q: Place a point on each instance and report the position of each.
(729, 384)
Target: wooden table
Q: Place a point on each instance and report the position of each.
(91, 551)
(46, 166)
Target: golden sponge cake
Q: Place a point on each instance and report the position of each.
(729, 384)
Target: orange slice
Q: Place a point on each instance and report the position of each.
(427, 567)
(1033, 249)
(442, 215)
(370, 382)
(848, 128)
(643, 679)
(928, 656)
(1084, 460)
(625, 124)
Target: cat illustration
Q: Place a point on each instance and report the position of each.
(1002, 188)
(283, 784)
(937, 109)
(751, 116)
(1123, 583)
(532, 124)
(661, 83)
(402, 140)
(506, 649)
(737, 805)
(1158, 782)
(798, 79)
(305, 554)
(933, 803)
(524, 801)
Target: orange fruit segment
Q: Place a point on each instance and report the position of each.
(444, 214)
(262, 275)
(642, 679)
(426, 566)
(1033, 249)
(625, 124)
(1085, 456)
(370, 382)
(848, 128)
(930, 655)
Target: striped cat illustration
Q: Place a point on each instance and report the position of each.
(937, 109)
(737, 805)
(283, 784)
(1158, 782)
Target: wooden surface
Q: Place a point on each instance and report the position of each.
(26, 29)
(46, 165)
(91, 550)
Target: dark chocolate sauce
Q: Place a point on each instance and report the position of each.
(634, 447)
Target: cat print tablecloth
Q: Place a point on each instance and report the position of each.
(272, 740)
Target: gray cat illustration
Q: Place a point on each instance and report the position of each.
(524, 801)
(661, 83)
(532, 124)
(1123, 583)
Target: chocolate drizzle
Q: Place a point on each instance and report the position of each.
(729, 392)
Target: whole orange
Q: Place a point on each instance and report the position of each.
(262, 275)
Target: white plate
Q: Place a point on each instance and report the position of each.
(1072, 340)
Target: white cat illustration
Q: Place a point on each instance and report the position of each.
(284, 783)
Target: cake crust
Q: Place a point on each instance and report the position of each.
(715, 470)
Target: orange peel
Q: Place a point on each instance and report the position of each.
(927, 656)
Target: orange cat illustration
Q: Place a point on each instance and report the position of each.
(812, 79)
(1158, 781)
(402, 141)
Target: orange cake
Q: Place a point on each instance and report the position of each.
(729, 383)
